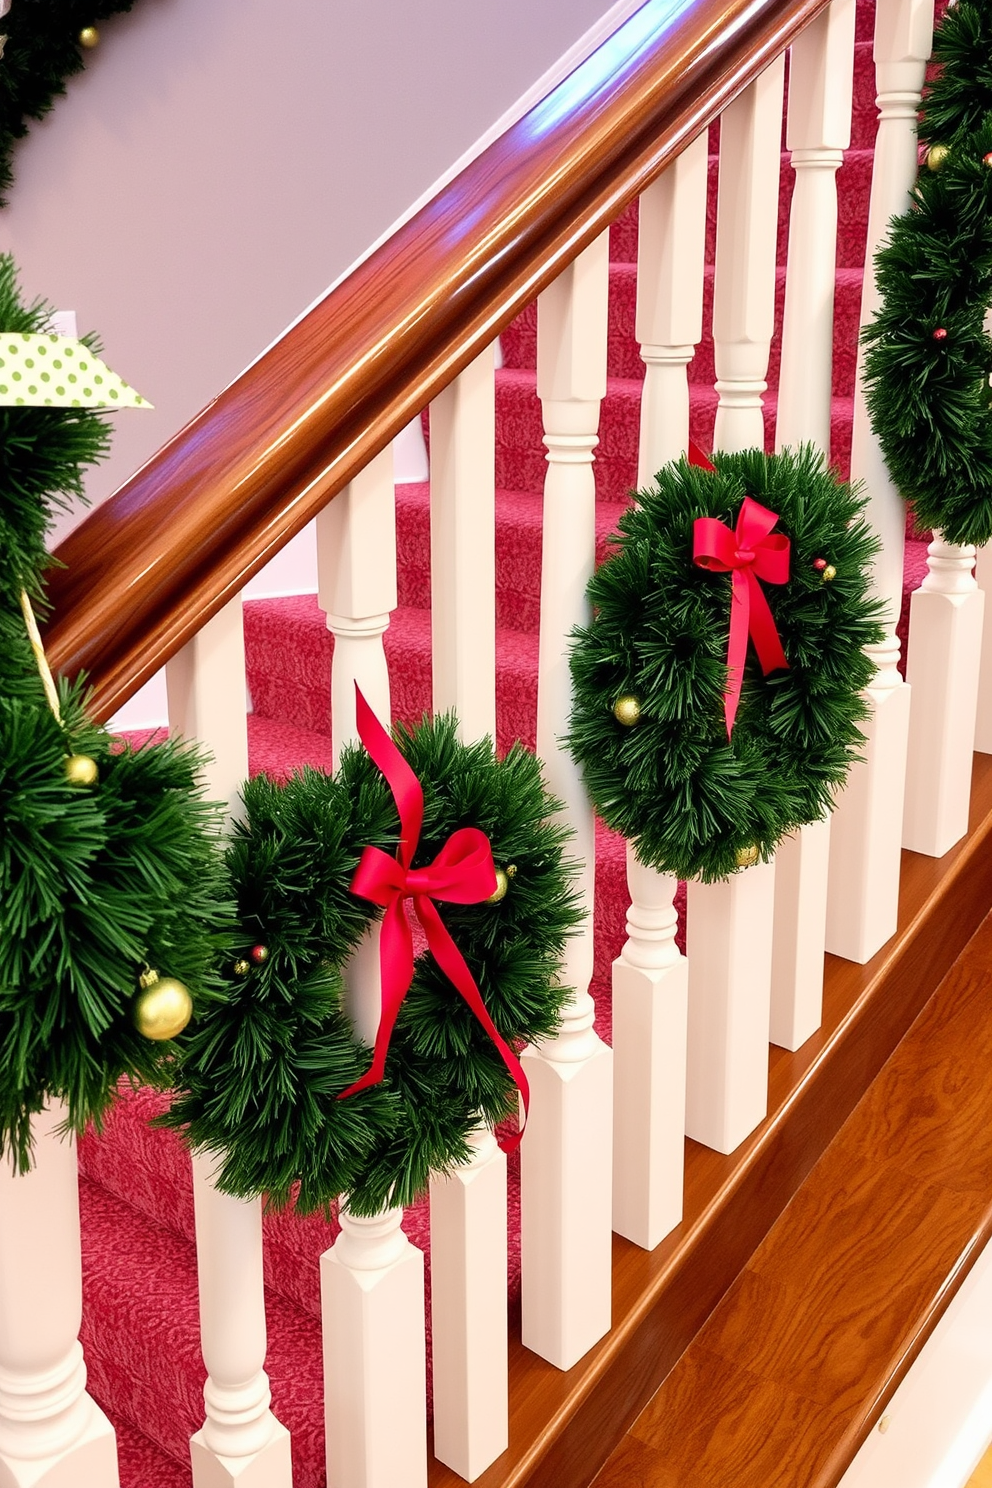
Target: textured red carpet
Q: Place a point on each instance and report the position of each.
(141, 1329)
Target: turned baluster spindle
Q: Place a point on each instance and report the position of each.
(866, 833)
(729, 924)
(468, 1207)
(945, 647)
(649, 976)
(744, 272)
(51, 1431)
(566, 1154)
(818, 131)
(240, 1441)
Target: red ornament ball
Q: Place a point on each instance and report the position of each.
(987, 159)
(819, 564)
(940, 334)
(259, 954)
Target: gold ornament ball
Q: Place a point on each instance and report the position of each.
(748, 856)
(936, 155)
(241, 968)
(162, 1008)
(627, 709)
(503, 876)
(81, 770)
(89, 37)
(829, 573)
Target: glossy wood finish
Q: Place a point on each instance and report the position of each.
(185, 534)
(793, 1369)
(563, 1426)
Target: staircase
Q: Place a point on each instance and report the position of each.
(139, 1253)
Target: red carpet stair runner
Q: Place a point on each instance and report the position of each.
(140, 1327)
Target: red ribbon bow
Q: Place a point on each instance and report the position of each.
(462, 873)
(750, 552)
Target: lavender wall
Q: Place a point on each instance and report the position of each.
(221, 161)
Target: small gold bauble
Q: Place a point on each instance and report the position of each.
(748, 856)
(81, 770)
(162, 1008)
(89, 37)
(503, 876)
(936, 155)
(241, 968)
(627, 709)
(829, 573)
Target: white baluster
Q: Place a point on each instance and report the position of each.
(468, 1208)
(983, 722)
(729, 924)
(729, 946)
(375, 1379)
(469, 1311)
(463, 548)
(945, 646)
(649, 976)
(650, 994)
(818, 131)
(671, 252)
(744, 275)
(356, 589)
(52, 1434)
(240, 1441)
(866, 835)
(566, 1154)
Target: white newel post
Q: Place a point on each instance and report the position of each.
(240, 1442)
(983, 721)
(650, 985)
(729, 924)
(566, 1156)
(372, 1278)
(468, 1208)
(52, 1434)
(866, 836)
(818, 131)
(945, 647)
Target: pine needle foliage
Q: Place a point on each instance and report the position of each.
(42, 50)
(928, 395)
(688, 797)
(260, 1077)
(96, 884)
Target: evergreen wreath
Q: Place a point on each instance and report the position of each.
(648, 725)
(262, 1071)
(104, 875)
(928, 356)
(40, 46)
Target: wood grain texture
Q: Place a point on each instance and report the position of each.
(563, 1426)
(794, 1367)
(184, 535)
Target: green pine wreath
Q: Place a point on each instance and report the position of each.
(696, 804)
(261, 1072)
(928, 356)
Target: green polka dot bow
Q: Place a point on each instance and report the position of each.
(49, 371)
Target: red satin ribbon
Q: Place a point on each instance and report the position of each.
(750, 552)
(462, 873)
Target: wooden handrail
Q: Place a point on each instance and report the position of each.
(186, 533)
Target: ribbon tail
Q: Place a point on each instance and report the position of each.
(764, 632)
(740, 614)
(453, 964)
(396, 973)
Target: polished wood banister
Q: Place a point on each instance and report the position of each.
(198, 520)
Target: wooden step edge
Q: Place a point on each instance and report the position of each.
(793, 1369)
(564, 1425)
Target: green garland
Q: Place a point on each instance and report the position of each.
(695, 804)
(260, 1074)
(97, 882)
(928, 355)
(41, 49)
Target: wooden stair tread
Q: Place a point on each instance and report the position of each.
(794, 1367)
(564, 1425)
